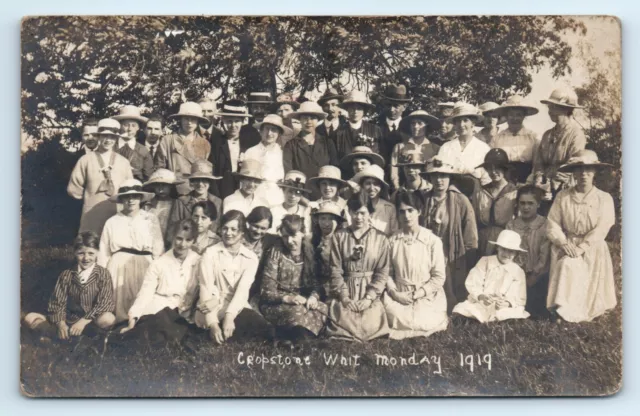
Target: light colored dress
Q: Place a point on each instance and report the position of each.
(168, 283)
(85, 181)
(238, 202)
(122, 235)
(285, 275)
(359, 267)
(502, 281)
(492, 214)
(468, 159)
(280, 211)
(520, 147)
(163, 210)
(384, 217)
(270, 158)
(581, 288)
(417, 263)
(224, 281)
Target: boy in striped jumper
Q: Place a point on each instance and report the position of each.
(82, 301)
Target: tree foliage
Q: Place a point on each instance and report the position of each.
(77, 66)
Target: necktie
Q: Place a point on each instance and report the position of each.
(393, 127)
(152, 150)
(107, 186)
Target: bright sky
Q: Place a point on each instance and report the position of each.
(604, 35)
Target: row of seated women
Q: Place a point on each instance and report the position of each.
(348, 279)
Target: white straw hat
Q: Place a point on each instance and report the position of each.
(510, 240)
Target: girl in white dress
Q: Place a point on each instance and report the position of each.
(130, 240)
(497, 285)
(581, 285)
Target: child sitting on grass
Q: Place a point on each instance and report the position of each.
(497, 286)
(82, 301)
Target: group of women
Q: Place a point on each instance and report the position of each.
(321, 235)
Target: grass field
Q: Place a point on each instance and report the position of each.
(527, 358)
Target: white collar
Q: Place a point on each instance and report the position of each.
(84, 275)
(148, 145)
(396, 122)
(131, 143)
(357, 125)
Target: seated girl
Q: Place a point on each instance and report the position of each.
(166, 298)
(415, 300)
(203, 214)
(290, 292)
(225, 275)
(82, 301)
(497, 286)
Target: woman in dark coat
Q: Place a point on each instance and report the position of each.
(449, 215)
(357, 131)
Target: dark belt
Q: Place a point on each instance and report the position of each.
(134, 251)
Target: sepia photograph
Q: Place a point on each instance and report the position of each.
(317, 206)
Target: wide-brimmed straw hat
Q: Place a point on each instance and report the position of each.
(130, 112)
(202, 169)
(309, 108)
(440, 164)
(432, 121)
(362, 152)
(331, 208)
(331, 93)
(357, 97)
(294, 179)
(275, 120)
(496, 157)
(372, 171)
(234, 108)
(131, 187)
(515, 102)
(510, 240)
(327, 172)
(411, 158)
(110, 127)
(485, 108)
(584, 158)
(251, 169)
(162, 176)
(564, 97)
(259, 98)
(190, 109)
(395, 93)
(462, 109)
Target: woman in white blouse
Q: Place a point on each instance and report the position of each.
(466, 150)
(269, 153)
(131, 239)
(164, 304)
(227, 271)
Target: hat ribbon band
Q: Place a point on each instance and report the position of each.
(111, 130)
(234, 109)
(135, 188)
